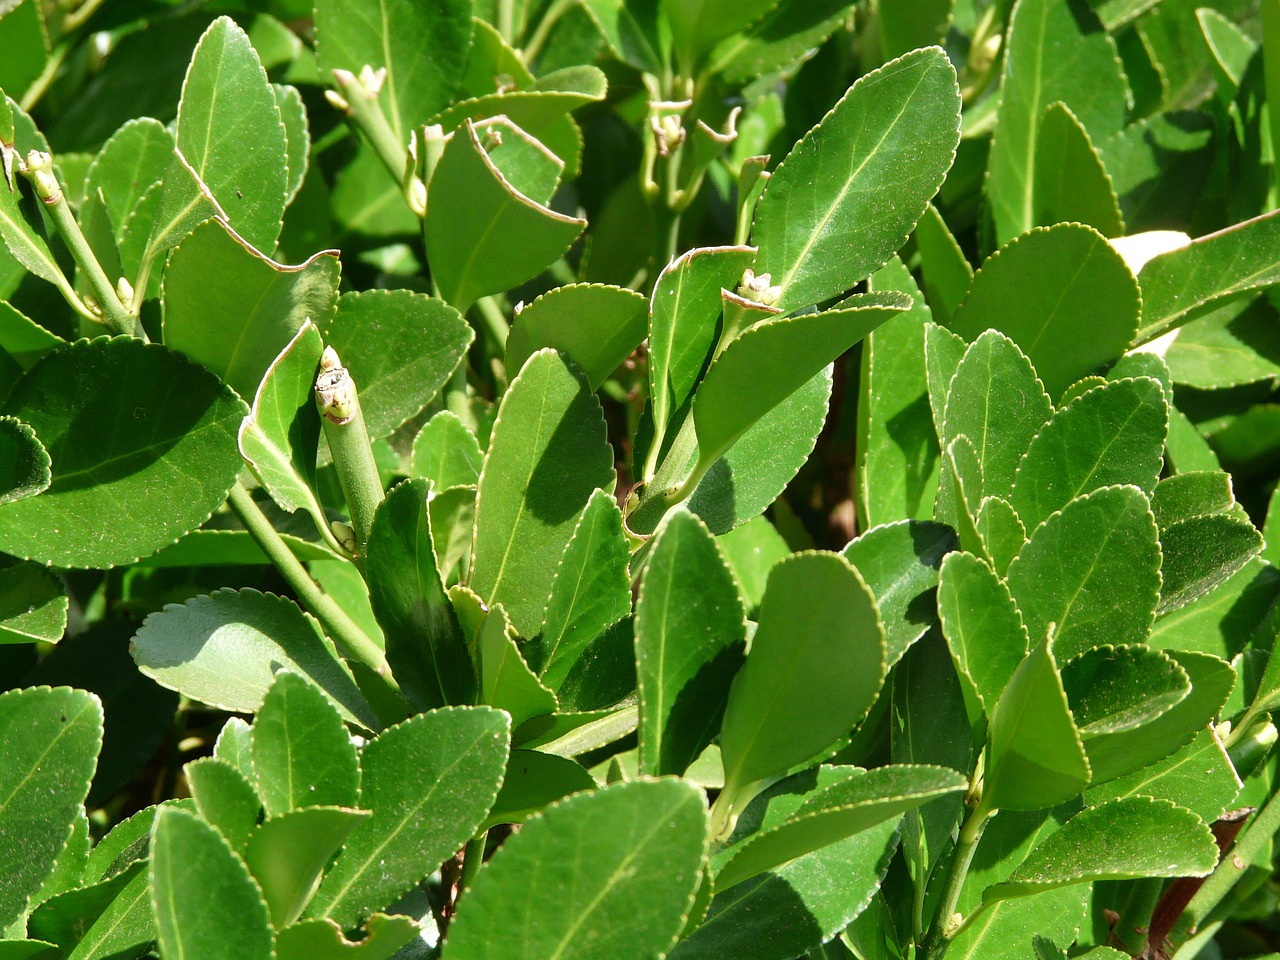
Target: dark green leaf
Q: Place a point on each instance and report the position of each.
(24, 339)
(112, 918)
(24, 462)
(325, 940)
(33, 604)
(446, 453)
(535, 780)
(1202, 552)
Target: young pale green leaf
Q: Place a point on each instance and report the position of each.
(1113, 434)
(943, 352)
(858, 802)
(229, 130)
(960, 492)
(225, 798)
(750, 551)
(506, 682)
(997, 401)
(325, 940)
(1118, 840)
(1034, 756)
(1054, 51)
(1199, 777)
(400, 347)
(128, 166)
(1071, 184)
(899, 562)
(1093, 569)
(1201, 553)
(1111, 689)
(197, 882)
(1001, 532)
(632, 855)
(302, 754)
(225, 649)
(848, 194)
(234, 746)
(595, 325)
(288, 853)
(280, 437)
(982, 625)
(50, 738)
(429, 782)
(535, 780)
(773, 360)
(547, 455)
(24, 462)
(33, 604)
(591, 591)
(475, 211)
(172, 448)
(425, 646)
(816, 666)
(446, 453)
(1078, 303)
(690, 634)
(234, 310)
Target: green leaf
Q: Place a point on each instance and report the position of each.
(302, 755)
(325, 940)
(109, 918)
(25, 39)
(631, 30)
(781, 40)
(690, 635)
(1222, 622)
(960, 491)
(281, 435)
(234, 746)
(224, 650)
(350, 35)
(24, 462)
(171, 447)
(595, 325)
(197, 882)
(547, 454)
(287, 855)
(50, 738)
(899, 562)
(1201, 553)
(293, 113)
(1055, 50)
(1001, 532)
(506, 682)
(860, 179)
(225, 798)
(771, 361)
(1078, 303)
(1111, 689)
(1182, 284)
(1196, 494)
(22, 234)
(905, 25)
(943, 351)
(24, 339)
(1071, 183)
(591, 591)
(1229, 347)
(858, 801)
(982, 625)
(535, 780)
(33, 604)
(1093, 569)
(698, 25)
(475, 211)
(750, 551)
(947, 271)
(234, 310)
(631, 856)
(163, 217)
(127, 168)
(229, 130)
(1199, 777)
(400, 347)
(446, 453)
(997, 401)
(429, 783)
(817, 663)
(1034, 756)
(425, 646)
(1118, 840)
(1112, 434)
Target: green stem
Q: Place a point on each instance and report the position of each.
(944, 927)
(366, 114)
(40, 87)
(506, 21)
(344, 631)
(495, 322)
(549, 19)
(1271, 73)
(472, 859)
(76, 20)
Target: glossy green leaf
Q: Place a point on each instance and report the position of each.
(446, 453)
(998, 402)
(859, 180)
(690, 636)
(899, 562)
(109, 918)
(1119, 840)
(225, 798)
(960, 491)
(23, 236)
(1071, 184)
(453, 515)
(51, 738)
(1093, 569)
(947, 271)
(24, 462)
(1001, 532)
(197, 882)
(632, 855)
(234, 746)
(697, 26)
(773, 360)
(288, 853)
(33, 604)
(302, 754)
(474, 212)
(943, 351)
(506, 682)
(1077, 302)
(163, 217)
(127, 168)
(425, 646)
(1055, 51)
(535, 780)
(429, 782)
(547, 454)
(234, 310)
(750, 551)
(1034, 756)
(1201, 553)
(1111, 689)
(229, 130)
(591, 591)
(1225, 619)
(1113, 434)
(1199, 777)
(595, 325)
(1195, 494)
(325, 940)
(982, 625)
(24, 339)
(293, 114)
(224, 650)
(172, 447)
(817, 663)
